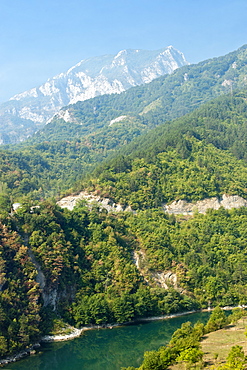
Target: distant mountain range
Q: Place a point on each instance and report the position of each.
(27, 112)
(143, 107)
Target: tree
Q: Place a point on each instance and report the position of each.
(216, 321)
(237, 313)
(122, 308)
(236, 360)
(184, 338)
(152, 361)
(190, 356)
(3, 346)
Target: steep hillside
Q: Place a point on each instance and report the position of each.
(188, 170)
(25, 113)
(88, 266)
(192, 158)
(50, 169)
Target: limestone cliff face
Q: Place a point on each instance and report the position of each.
(50, 296)
(163, 279)
(166, 279)
(70, 201)
(176, 207)
(201, 206)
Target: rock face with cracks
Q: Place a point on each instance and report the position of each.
(176, 207)
(201, 206)
(70, 202)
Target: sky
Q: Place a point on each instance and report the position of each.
(40, 39)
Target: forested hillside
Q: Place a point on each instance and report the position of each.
(200, 155)
(98, 268)
(88, 266)
(50, 169)
(185, 348)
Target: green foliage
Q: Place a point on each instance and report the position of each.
(184, 347)
(152, 361)
(92, 310)
(104, 267)
(236, 315)
(236, 360)
(150, 181)
(43, 168)
(190, 356)
(153, 165)
(87, 257)
(217, 320)
(19, 295)
(186, 337)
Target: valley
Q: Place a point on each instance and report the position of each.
(130, 205)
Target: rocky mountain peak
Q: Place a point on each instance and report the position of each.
(25, 113)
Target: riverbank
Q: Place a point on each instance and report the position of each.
(75, 333)
(217, 344)
(20, 355)
(78, 332)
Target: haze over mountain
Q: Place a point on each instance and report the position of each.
(25, 113)
(143, 107)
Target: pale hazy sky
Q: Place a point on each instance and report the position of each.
(39, 39)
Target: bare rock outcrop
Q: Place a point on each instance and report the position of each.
(201, 206)
(162, 279)
(165, 280)
(70, 202)
(176, 207)
(50, 296)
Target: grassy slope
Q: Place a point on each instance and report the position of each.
(220, 342)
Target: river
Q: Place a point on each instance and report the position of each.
(106, 349)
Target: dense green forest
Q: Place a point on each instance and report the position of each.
(216, 129)
(191, 170)
(88, 262)
(202, 154)
(88, 266)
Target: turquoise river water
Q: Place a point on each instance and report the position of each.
(106, 349)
